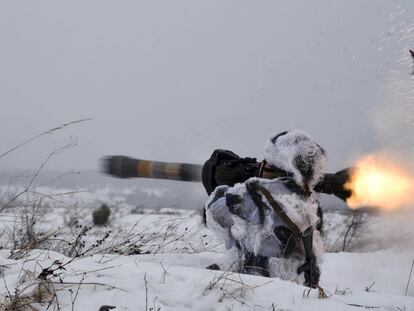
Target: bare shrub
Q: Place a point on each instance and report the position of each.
(100, 216)
(357, 220)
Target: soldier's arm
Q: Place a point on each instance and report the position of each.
(217, 210)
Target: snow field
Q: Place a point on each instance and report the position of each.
(174, 282)
(173, 276)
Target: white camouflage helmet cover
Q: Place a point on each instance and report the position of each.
(294, 151)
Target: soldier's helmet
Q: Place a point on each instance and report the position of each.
(295, 152)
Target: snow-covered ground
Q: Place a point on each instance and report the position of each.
(147, 259)
(180, 282)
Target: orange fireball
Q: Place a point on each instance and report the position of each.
(381, 183)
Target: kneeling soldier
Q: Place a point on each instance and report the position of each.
(268, 225)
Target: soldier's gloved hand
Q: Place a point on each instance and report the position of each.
(312, 273)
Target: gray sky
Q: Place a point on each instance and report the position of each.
(173, 80)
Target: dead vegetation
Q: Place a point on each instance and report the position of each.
(39, 288)
(231, 286)
(30, 294)
(5, 204)
(357, 220)
(346, 233)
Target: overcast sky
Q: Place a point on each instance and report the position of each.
(173, 80)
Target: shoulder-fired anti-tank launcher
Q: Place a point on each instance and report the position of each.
(223, 168)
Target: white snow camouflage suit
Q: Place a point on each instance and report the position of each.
(257, 241)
